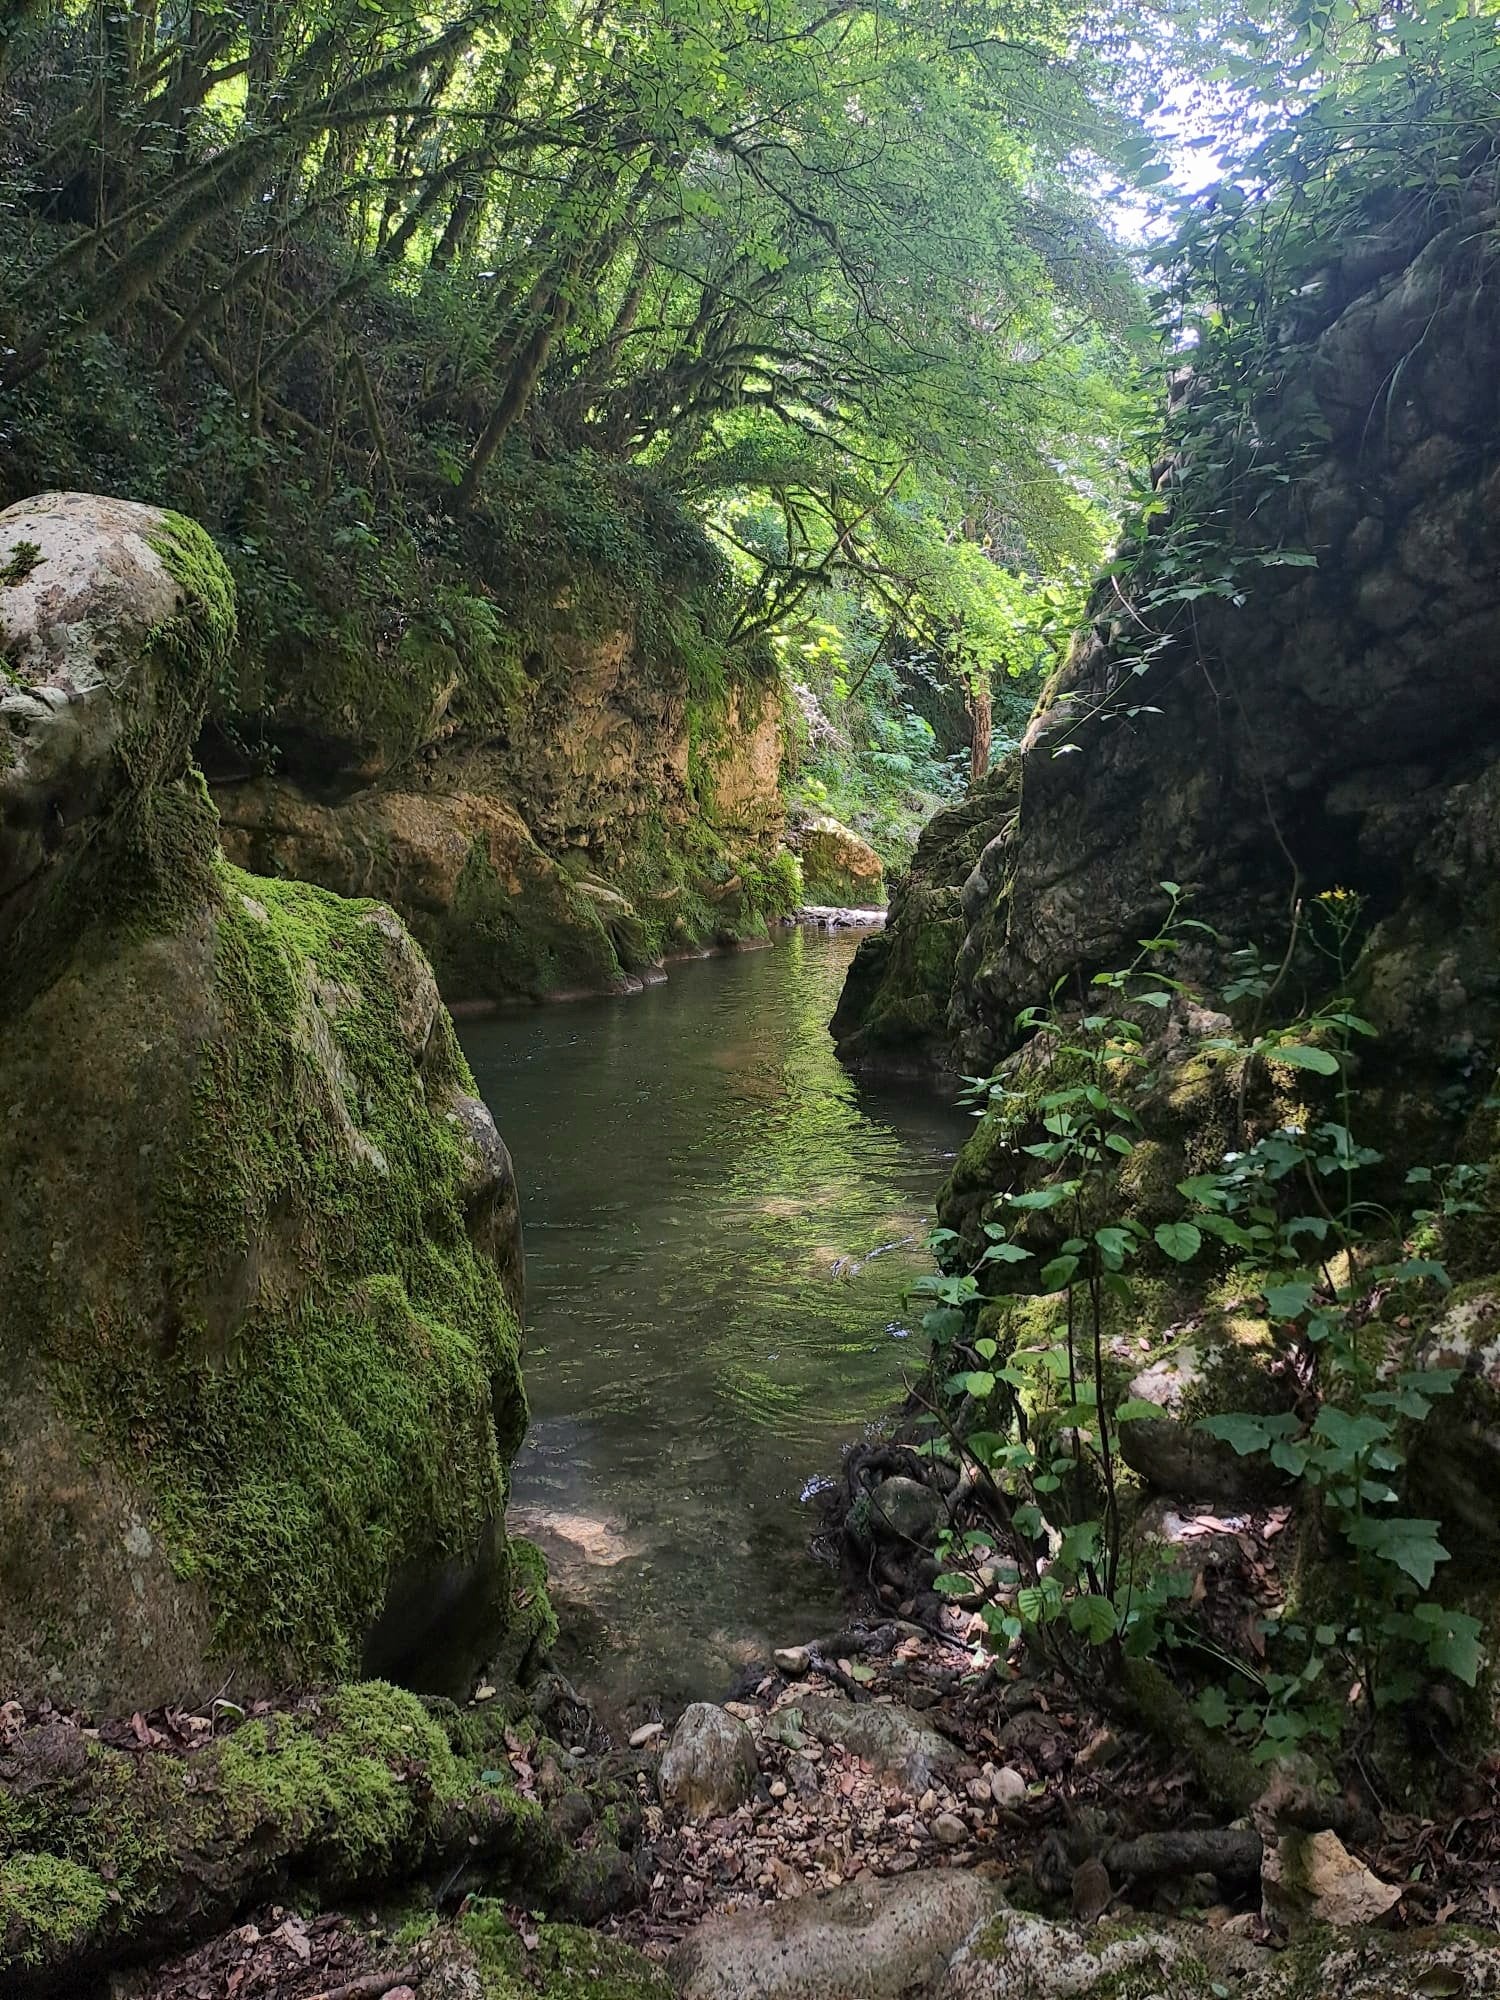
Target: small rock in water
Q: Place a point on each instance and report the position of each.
(644, 1734)
(1007, 1787)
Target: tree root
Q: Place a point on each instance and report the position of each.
(1232, 1853)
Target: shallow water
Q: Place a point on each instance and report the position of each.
(720, 1225)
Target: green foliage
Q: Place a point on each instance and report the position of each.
(1337, 127)
(458, 327)
(19, 564)
(1283, 1220)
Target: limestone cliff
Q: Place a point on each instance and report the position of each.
(555, 823)
(259, 1262)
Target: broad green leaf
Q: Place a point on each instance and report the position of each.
(1047, 1197)
(977, 1382)
(1245, 1434)
(1212, 1708)
(1289, 1301)
(1411, 1545)
(1094, 1617)
(1179, 1240)
(1300, 1056)
(1350, 1433)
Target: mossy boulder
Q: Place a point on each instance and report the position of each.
(259, 1262)
(1456, 1470)
(946, 1935)
(499, 919)
(108, 1853)
(839, 869)
(554, 1961)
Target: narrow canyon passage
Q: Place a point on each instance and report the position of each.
(720, 1226)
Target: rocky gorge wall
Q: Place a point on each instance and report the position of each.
(561, 838)
(1287, 705)
(1333, 719)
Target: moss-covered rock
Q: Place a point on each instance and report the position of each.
(258, 1254)
(893, 1013)
(944, 1935)
(839, 869)
(555, 1961)
(562, 840)
(108, 1852)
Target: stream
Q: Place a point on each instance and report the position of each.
(720, 1227)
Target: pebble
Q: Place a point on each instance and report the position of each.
(1007, 1787)
(979, 1791)
(645, 1733)
(792, 1659)
(950, 1829)
(778, 1788)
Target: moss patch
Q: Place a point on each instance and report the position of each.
(563, 1962)
(19, 564)
(46, 1905)
(293, 1349)
(501, 940)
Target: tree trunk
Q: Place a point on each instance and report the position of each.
(980, 714)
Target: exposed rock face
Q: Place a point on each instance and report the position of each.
(869, 1940)
(1345, 718)
(839, 870)
(893, 1013)
(494, 912)
(1459, 1473)
(606, 822)
(259, 1262)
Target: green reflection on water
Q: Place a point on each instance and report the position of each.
(703, 1188)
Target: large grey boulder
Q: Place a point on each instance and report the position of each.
(946, 1934)
(899, 1744)
(872, 1939)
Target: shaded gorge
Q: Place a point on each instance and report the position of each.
(720, 1228)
